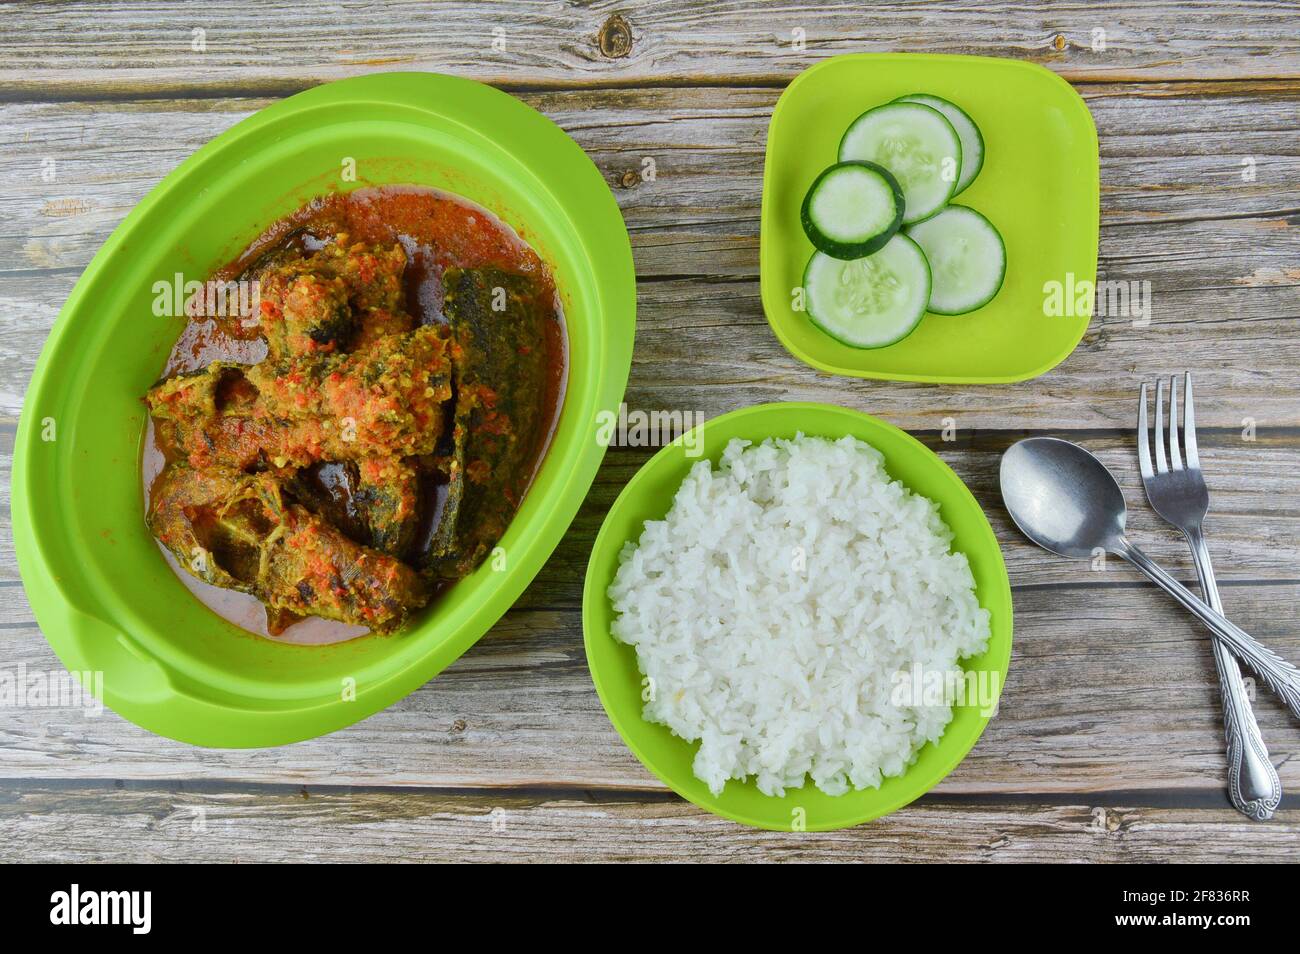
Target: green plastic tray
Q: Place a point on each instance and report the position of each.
(102, 593)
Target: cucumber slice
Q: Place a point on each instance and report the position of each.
(972, 140)
(967, 259)
(852, 209)
(869, 302)
(915, 143)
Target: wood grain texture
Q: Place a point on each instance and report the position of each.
(1108, 743)
(1110, 689)
(150, 824)
(1219, 252)
(126, 49)
(1254, 527)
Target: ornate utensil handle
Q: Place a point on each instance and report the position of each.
(1278, 674)
(1253, 784)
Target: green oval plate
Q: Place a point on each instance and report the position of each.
(614, 665)
(102, 593)
(1039, 186)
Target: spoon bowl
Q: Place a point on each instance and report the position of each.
(1066, 501)
(1062, 497)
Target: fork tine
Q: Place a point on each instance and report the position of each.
(1144, 448)
(1175, 455)
(1189, 424)
(1161, 465)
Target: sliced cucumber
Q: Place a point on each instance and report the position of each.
(917, 144)
(967, 259)
(869, 302)
(972, 140)
(852, 209)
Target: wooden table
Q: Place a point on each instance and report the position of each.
(1108, 745)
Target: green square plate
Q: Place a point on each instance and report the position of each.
(1039, 187)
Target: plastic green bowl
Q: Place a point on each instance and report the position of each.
(614, 665)
(101, 591)
(1039, 186)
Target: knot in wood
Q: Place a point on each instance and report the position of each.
(615, 38)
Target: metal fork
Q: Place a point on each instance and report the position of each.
(1176, 489)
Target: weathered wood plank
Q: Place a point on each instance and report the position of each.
(1103, 665)
(1254, 525)
(1169, 151)
(1218, 251)
(153, 824)
(124, 48)
(1110, 689)
(704, 345)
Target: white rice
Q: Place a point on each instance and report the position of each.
(774, 605)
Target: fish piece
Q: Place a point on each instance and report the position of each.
(211, 520)
(238, 531)
(379, 323)
(438, 553)
(303, 310)
(372, 273)
(212, 415)
(341, 298)
(313, 568)
(384, 401)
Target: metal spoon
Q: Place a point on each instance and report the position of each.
(1066, 501)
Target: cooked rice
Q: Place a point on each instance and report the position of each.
(773, 606)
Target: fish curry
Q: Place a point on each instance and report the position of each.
(361, 437)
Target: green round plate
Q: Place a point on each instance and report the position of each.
(101, 591)
(614, 665)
